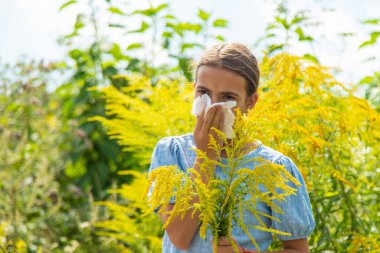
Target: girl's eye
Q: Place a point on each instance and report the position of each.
(228, 97)
(202, 91)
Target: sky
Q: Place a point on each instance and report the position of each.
(31, 28)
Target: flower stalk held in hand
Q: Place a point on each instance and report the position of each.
(222, 201)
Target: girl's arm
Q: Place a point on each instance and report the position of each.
(181, 231)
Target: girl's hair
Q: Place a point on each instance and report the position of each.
(234, 57)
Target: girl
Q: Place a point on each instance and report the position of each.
(230, 72)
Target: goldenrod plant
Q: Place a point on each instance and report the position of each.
(330, 133)
(141, 113)
(334, 137)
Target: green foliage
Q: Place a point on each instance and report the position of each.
(141, 111)
(126, 224)
(373, 35)
(39, 210)
(286, 30)
(68, 3)
(28, 177)
(371, 83)
(372, 92)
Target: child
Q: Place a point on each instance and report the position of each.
(229, 72)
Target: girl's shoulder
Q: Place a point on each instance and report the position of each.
(182, 142)
(265, 152)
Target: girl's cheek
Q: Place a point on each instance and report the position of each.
(197, 94)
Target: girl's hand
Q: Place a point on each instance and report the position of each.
(225, 246)
(214, 118)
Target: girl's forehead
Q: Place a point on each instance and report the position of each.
(219, 79)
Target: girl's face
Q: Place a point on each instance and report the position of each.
(223, 85)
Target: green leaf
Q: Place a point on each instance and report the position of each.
(116, 52)
(110, 70)
(79, 24)
(133, 64)
(301, 35)
(371, 41)
(151, 11)
(71, 35)
(161, 7)
(63, 6)
(203, 15)
(167, 34)
(311, 57)
(75, 169)
(134, 46)
(166, 43)
(171, 25)
(185, 46)
(187, 26)
(298, 19)
(184, 64)
(283, 22)
(371, 21)
(75, 53)
(366, 80)
(276, 47)
(143, 28)
(119, 80)
(116, 10)
(182, 27)
(220, 38)
(271, 26)
(169, 16)
(220, 23)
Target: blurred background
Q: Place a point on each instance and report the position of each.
(63, 185)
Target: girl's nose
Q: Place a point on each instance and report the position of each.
(214, 100)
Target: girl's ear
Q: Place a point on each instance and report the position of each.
(251, 101)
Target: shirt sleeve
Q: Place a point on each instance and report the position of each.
(297, 217)
(165, 154)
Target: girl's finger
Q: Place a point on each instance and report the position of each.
(216, 121)
(200, 120)
(224, 241)
(221, 122)
(209, 119)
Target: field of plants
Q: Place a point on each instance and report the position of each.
(73, 159)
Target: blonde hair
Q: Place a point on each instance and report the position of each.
(234, 57)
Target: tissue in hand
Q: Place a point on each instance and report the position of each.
(204, 101)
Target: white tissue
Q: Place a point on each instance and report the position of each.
(204, 101)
